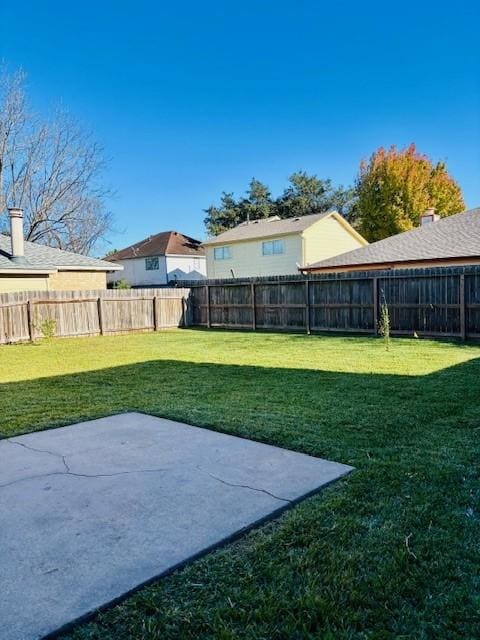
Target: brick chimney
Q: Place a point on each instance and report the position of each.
(16, 233)
(429, 216)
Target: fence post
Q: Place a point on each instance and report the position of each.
(155, 314)
(100, 315)
(184, 313)
(207, 288)
(463, 328)
(375, 305)
(307, 306)
(30, 320)
(254, 313)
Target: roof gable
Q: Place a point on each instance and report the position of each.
(343, 223)
(456, 236)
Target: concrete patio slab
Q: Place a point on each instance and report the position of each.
(91, 511)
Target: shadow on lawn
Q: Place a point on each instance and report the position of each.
(390, 549)
(339, 415)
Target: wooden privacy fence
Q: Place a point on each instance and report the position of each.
(439, 302)
(443, 302)
(81, 313)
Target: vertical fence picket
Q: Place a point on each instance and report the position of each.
(100, 315)
(207, 290)
(307, 306)
(254, 310)
(30, 321)
(82, 313)
(420, 302)
(155, 313)
(442, 302)
(375, 304)
(463, 330)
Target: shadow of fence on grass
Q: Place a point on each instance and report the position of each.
(324, 413)
(413, 440)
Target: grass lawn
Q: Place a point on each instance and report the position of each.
(392, 551)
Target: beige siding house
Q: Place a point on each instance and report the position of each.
(27, 266)
(272, 246)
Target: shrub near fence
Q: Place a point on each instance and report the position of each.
(81, 313)
(438, 302)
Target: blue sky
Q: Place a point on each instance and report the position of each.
(192, 98)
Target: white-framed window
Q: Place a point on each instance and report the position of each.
(152, 264)
(222, 253)
(273, 247)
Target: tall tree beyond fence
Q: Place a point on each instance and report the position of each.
(78, 313)
(442, 302)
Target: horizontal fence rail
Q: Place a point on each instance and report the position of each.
(84, 313)
(437, 302)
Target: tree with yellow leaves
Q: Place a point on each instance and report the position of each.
(395, 187)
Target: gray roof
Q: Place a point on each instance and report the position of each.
(267, 227)
(455, 236)
(41, 258)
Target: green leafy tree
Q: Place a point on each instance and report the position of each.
(308, 194)
(305, 194)
(395, 187)
(224, 217)
(343, 200)
(258, 203)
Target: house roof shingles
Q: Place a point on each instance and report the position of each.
(266, 228)
(456, 236)
(164, 243)
(41, 258)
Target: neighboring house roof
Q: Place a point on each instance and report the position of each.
(268, 227)
(161, 244)
(41, 259)
(452, 237)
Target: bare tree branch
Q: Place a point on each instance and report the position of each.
(52, 170)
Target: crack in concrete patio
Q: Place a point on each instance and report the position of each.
(245, 486)
(76, 474)
(186, 491)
